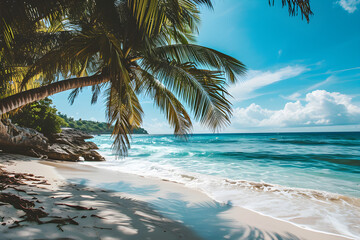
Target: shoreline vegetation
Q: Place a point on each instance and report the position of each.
(64, 200)
(93, 127)
(38, 130)
(43, 117)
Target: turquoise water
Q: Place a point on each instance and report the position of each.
(310, 179)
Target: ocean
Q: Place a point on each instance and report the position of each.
(310, 179)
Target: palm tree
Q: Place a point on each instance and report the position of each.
(24, 37)
(127, 48)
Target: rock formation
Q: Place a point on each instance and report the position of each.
(69, 145)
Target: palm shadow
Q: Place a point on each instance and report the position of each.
(112, 217)
(204, 218)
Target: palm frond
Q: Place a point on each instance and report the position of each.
(125, 113)
(202, 57)
(167, 102)
(295, 5)
(73, 95)
(203, 90)
(96, 91)
(151, 15)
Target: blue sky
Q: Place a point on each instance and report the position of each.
(301, 77)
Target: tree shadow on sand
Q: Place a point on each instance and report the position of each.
(105, 215)
(203, 218)
(120, 186)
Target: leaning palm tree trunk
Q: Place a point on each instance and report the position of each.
(20, 99)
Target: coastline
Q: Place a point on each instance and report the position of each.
(170, 203)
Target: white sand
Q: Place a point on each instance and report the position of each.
(146, 208)
(121, 217)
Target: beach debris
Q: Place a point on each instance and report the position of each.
(16, 224)
(9, 180)
(62, 221)
(44, 182)
(76, 206)
(17, 202)
(93, 215)
(105, 228)
(19, 190)
(32, 214)
(59, 227)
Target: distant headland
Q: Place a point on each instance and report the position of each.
(94, 127)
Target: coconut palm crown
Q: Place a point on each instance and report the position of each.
(125, 49)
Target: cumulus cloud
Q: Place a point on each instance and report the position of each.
(349, 5)
(320, 108)
(157, 126)
(258, 79)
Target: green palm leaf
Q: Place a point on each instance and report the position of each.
(202, 90)
(167, 102)
(202, 57)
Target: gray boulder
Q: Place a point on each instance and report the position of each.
(69, 145)
(21, 140)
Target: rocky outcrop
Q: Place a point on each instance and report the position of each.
(69, 145)
(21, 140)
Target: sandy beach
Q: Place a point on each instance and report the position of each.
(145, 208)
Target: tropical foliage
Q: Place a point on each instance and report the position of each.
(40, 116)
(123, 49)
(94, 127)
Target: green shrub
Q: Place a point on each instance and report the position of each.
(40, 116)
(94, 127)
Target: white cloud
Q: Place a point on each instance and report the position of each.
(320, 108)
(258, 79)
(157, 126)
(326, 81)
(293, 97)
(349, 5)
(296, 95)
